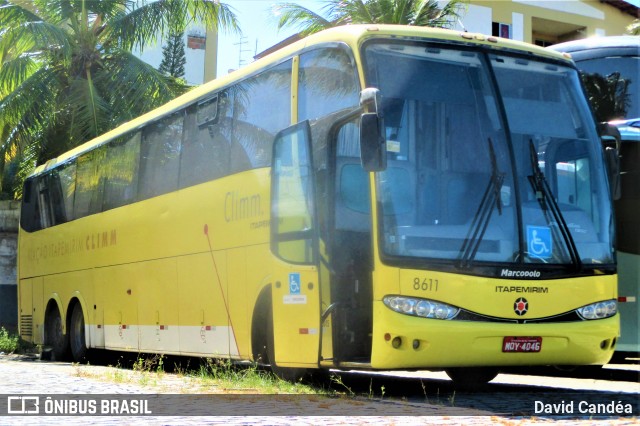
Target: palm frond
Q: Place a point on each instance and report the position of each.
(213, 14)
(429, 13)
(134, 86)
(29, 107)
(12, 14)
(344, 12)
(90, 112)
(14, 72)
(34, 37)
(140, 27)
(296, 16)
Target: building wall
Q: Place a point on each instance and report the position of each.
(200, 53)
(551, 21)
(9, 217)
(211, 56)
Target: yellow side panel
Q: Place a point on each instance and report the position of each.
(202, 302)
(25, 310)
(117, 292)
(296, 315)
(237, 300)
(156, 293)
(39, 306)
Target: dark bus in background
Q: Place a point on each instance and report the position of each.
(604, 56)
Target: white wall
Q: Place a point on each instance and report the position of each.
(193, 69)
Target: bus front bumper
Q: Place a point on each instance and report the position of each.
(403, 341)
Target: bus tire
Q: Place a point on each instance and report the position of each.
(54, 337)
(77, 335)
(471, 377)
(259, 329)
(285, 373)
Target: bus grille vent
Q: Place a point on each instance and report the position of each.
(26, 325)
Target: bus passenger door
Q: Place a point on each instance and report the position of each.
(294, 242)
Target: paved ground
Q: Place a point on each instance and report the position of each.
(20, 376)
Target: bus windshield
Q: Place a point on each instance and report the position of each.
(491, 158)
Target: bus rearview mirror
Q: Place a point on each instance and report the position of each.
(611, 140)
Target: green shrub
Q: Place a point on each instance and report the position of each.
(8, 342)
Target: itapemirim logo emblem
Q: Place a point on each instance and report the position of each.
(521, 306)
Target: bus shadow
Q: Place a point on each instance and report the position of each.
(497, 398)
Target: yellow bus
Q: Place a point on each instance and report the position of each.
(375, 197)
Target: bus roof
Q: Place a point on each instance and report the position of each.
(352, 35)
(600, 47)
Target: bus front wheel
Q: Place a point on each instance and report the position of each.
(77, 339)
(55, 339)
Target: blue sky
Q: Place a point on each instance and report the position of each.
(259, 26)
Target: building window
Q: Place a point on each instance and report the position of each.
(500, 30)
(196, 42)
(543, 43)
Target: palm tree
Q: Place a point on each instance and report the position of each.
(67, 72)
(608, 95)
(343, 12)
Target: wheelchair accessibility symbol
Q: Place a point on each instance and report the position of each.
(294, 283)
(539, 241)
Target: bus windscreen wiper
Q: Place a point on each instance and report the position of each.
(548, 203)
(480, 222)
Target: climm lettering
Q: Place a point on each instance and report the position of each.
(519, 289)
(101, 239)
(91, 242)
(238, 207)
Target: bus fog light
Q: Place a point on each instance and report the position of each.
(396, 342)
(599, 310)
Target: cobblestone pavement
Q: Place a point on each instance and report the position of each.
(27, 376)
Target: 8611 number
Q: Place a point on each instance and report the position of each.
(425, 284)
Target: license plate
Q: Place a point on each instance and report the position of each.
(521, 344)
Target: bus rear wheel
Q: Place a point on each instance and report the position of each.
(55, 339)
(77, 335)
(471, 377)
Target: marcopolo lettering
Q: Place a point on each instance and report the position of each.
(510, 273)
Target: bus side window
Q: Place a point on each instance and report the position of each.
(205, 141)
(89, 183)
(262, 106)
(121, 172)
(160, 157)
(327, 83)
(61, 185)
(30, 213)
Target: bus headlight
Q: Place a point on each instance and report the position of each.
(420, 307)
(599, 310)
